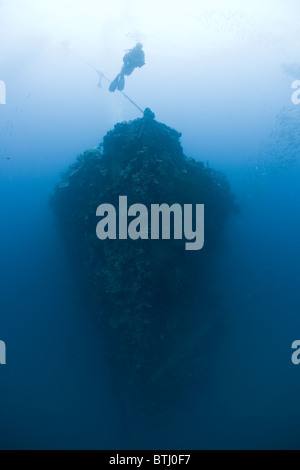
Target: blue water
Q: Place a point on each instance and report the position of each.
(224, 93)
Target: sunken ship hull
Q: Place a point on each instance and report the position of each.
(155, 301)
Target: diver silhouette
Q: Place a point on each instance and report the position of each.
(134, 58)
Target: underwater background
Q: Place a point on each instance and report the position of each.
(220, 75)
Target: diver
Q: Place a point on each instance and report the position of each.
(133, 58)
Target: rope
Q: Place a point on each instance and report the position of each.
(101, 74)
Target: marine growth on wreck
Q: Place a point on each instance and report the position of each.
(156, 302)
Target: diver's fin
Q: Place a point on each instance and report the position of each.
(114, 84)
(121, 83)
